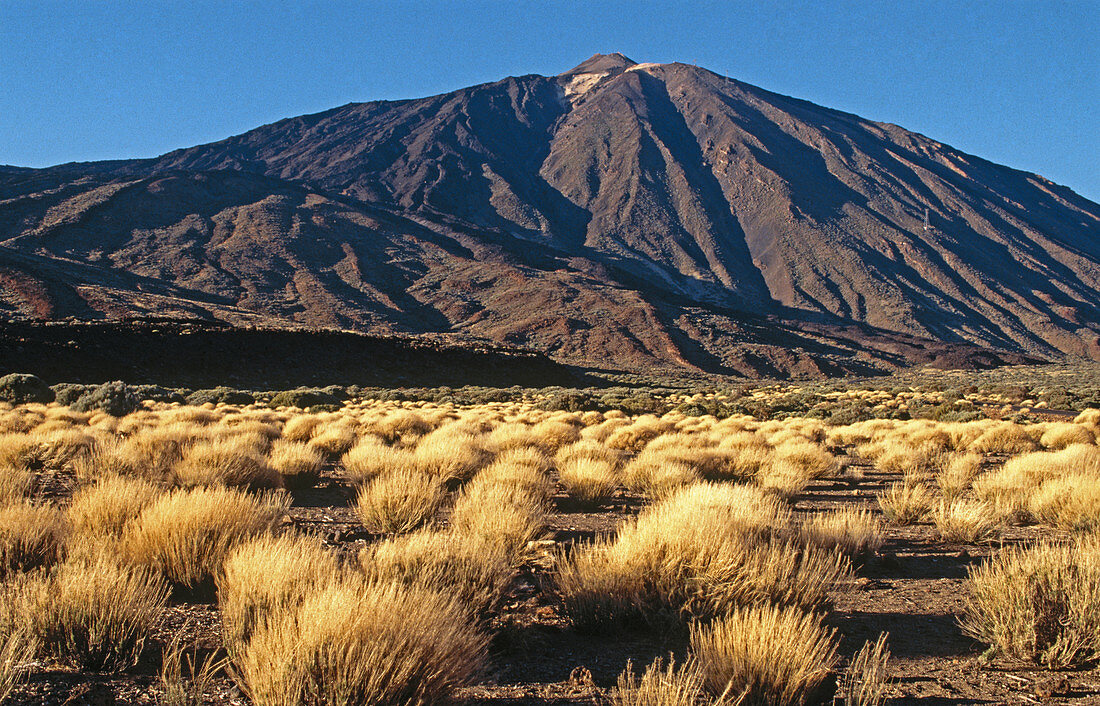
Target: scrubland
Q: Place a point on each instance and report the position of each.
(412, 552)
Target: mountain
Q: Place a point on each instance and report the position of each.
(625, 214)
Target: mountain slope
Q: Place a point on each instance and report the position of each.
(624, 203)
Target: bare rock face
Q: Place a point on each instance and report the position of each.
(623, 214)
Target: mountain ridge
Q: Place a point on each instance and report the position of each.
(615, 191)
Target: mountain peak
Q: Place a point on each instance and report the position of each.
(602, 63)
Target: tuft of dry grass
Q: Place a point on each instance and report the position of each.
(297, 462)
(1039, 603)
(392, 645)
(94, 614)
(904, 504)
(399, 501)
(867, 680)
(450, 454)
(1060, 435)
(660, 685)
(965, 521)
(103, 509)
(854, 532)
(765, 655)
(1004, 438)
(370, 458)
(31, 536)
(17, 648)
(231, 461)
(187, 534)
(476, 572)
(15, 485)
(589, 481)
(959, 474)
(267, 576)
(497, 512)
(185, 678)
(700, 552)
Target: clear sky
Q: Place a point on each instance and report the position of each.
(1015, 82)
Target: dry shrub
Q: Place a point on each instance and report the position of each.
(524, 469)
(94, 614)
(866, 680)
(588, 449)
(660, 686)
(1040, 603)
(399, 501)
(552, 434)
(297, 462)
(19, 451)
(333, 438)
(230, 461)
(103, 509)
(1070, 502)
(813, 460)
(1089, 417)
(17, 648)
(784, 478)
(702, 551)
(588, 481)
(904, 503)
(917, 465)
(500, 514)
(966, 521)
(656, 477)
(765, 655)
(15, 484)
(1004, 438)
(393, 645)
(450, 454)
(58, 448)
(854, 532)
(30, 536)
(1060, 435)
(959, 474)
(370, 458)
(187, 534)
(474, 571)
(300, 428)
(267, 576)
(402, 425)
(1018, 487)
(634, 436)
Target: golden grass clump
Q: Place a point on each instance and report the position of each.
(371, 457)
(186, 534)
(499, 513)
(588, 481)
(763, 655)
(660, 685)
(267, 576)
(297, 462)
(657, 477)
(17, 648)
(634, 436)
(701, 551)
(905, 503)
(854, 532)
(916, 464)
(31, 536)
(103, 509)
(1052, 484)
(19, 451)
(965, 521)
(810, 458)
(1004, 438)
(1060, 435)
(15, 485)
(1039, 603)
(476, 572)
(399, 501)
(93, 614)
(300, 427)
(450, 454)
(866, 680)
(231, 461)
(392, 645)
(957, 477)
(334, 438)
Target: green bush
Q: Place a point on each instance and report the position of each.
(220, 395)
(303, 398)
(66, 393)
(115, 398)
(20, 388)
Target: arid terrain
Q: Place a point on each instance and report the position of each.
(525, 551)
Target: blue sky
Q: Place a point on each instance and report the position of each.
(1014, 82)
